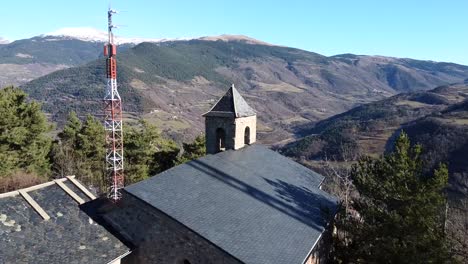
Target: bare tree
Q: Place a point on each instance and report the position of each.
(457, 223)
(338, 172)
(65, 161)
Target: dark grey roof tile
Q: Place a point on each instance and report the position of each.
(231, 104)
(69, 236)
(253, 203)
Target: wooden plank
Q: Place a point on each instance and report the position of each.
(32, 188)
(39, 186)
(81, 187)
(70, 192)
(9, 194)
(34, 205)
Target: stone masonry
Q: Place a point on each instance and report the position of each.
(241, 123)
(212, 123)
(234, 129)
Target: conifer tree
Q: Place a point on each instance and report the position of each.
(398, 216)
(193, 150)
(80, 151)
(71, 128)
(24, 139)
(90, 148)
(147, 152)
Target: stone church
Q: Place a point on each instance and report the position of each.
(241, 203)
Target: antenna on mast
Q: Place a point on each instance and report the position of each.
(113, 118)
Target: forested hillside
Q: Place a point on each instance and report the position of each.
(172, 83)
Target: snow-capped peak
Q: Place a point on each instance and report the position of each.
(96, 35)
(81, 33)
(4, 41)
(227, 38)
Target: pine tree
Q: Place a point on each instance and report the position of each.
(147, 152)
(399, 214)
(80, 151)
(24, 140)
(90, 147)
(193, 150)
(71, 128)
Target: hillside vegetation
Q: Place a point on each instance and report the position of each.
(172, 83)
(437, 120)
(24, 60)
(398, 214)
(368, 128)
(30, 155)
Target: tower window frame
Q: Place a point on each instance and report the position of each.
(220, 139)
(247, 135)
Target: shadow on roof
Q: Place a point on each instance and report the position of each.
(96, 209)
(310, 208)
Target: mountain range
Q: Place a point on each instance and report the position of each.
(309, 106)
(26, 59)
(172, 82)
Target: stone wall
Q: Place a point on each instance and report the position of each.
(160, 239)
(240, 124)
(234, 129)
(212, 123)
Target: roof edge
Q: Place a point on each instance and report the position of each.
(234, 100)
(120, 257)
(34, 187)
(214, 105)
(313, 247)
(219, 114)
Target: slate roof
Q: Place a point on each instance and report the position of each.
(69, 236)
(255, 204)
(231, 104)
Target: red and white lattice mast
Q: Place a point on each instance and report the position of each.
(113, 119)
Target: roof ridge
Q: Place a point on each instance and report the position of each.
(214, 105)
(234, 99)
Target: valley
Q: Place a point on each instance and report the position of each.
(436, 119)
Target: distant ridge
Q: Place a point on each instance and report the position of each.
(226, 37)
(4, 41)
(173, 82)
(96, 35)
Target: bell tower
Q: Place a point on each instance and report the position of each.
(230, 124)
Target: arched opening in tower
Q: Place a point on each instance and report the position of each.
(247, 136)
(220, 140)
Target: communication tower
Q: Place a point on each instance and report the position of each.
(113, 119)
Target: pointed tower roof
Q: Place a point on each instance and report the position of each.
(231, 104)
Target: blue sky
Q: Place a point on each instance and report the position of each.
(420, 29)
